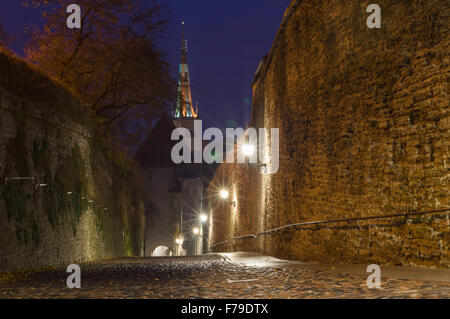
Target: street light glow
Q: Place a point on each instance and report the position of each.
(179, 241)
(224, 194)
(248, 149)
(196, 230)
(203, 218)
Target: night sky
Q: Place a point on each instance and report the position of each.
(226, 41)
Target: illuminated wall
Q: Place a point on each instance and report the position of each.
(84, 209)
(364, 130)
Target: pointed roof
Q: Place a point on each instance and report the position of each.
(184, 107)
(184, 47)
(156, 149)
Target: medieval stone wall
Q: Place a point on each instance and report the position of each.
(364, 130)
(78, 206)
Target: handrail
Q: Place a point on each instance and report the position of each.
(406, 214)
(42, 185)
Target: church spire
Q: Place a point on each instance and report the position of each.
(184, 108)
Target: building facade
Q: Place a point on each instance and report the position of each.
(175, 192)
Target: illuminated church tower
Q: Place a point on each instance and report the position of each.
(184, 112)
(175, 192)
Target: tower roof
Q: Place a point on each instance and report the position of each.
(184, 107)
(156, 149)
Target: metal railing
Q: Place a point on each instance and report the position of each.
(42, 185)
(343, 220)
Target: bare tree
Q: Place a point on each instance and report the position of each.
(4, 37)
(112, 62)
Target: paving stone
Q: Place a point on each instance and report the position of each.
(207, 277)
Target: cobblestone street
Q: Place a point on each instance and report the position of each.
(209, 276)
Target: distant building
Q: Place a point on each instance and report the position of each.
(174, 192)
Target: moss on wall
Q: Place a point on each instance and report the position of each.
(46, 134)
(17, 193)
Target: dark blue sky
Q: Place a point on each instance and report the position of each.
(226, 41)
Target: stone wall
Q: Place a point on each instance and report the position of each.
(364, 130)
(78, 206)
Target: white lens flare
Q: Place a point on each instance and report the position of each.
(224, 194)
(248, 149)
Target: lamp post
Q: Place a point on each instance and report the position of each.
(196, 231)
(249, 150)
(224, 194)
(203, 218)
(179, 241)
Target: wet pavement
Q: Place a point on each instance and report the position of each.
(210, 276)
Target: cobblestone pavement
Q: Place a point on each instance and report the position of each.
(210, 276)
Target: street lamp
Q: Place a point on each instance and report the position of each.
(196, 231)
(224, 194)
(203, 218)
(248, 149)
(179, 241)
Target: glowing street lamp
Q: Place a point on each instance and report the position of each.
(179, 241)
(224, 194)
(248, 149)
(203, 218)
(196, 231)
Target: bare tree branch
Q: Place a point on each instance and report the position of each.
(112, 62)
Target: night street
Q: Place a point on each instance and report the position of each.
(208, 154)
(216, 276)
